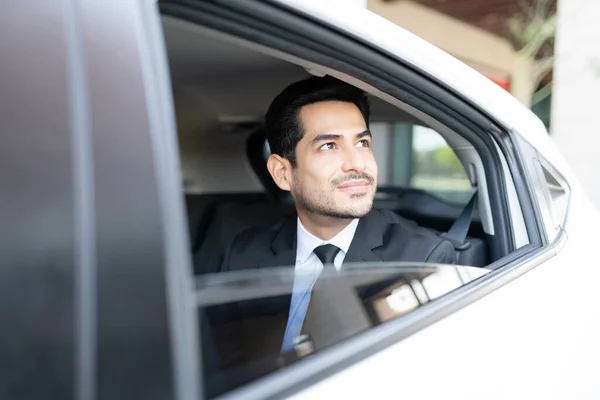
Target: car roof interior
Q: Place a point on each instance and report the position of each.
(222, 87)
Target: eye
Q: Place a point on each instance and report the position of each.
(328, 146)
(363, 143)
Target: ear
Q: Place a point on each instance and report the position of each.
(278, 168)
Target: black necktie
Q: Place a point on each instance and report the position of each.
(334, 312)
(327, 253)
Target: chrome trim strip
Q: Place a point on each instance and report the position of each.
(83, 177)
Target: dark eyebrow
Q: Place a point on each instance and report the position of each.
(331, 136)
(326, 136)
(364, 134)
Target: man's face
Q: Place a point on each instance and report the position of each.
(335, 173)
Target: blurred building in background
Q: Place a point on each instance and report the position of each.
(492, 36)
(512, 42)
(460, 29)
(576, 89)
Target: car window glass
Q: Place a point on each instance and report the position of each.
(243, 314)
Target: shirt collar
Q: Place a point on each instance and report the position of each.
(307, 242)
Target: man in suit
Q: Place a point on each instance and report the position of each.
(318, 134)
(320, 143)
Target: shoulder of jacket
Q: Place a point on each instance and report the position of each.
(391, 218)
(256, 234)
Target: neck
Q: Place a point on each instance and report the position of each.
(321, 226)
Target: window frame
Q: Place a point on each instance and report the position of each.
(551, 225)
(143, 284)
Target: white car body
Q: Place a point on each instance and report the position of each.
(535, 337)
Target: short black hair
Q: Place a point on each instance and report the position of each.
(283, 127)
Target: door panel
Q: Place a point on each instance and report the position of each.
(134, 359)
(37, 228)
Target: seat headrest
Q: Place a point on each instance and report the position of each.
(258, 154)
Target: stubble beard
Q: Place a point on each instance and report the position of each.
(321, 204)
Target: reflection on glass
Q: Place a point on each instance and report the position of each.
(243, 314)
(402, 299)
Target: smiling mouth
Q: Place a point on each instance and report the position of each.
(354, 186)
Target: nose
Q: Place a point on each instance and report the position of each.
(353, 160)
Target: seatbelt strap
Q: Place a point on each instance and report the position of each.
(458, 231)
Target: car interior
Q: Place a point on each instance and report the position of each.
(222, 87)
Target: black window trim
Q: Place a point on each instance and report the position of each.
(523, 186)
(271, 25)
(531, 209)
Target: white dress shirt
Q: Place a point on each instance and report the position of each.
(307, 261)
(307, 270)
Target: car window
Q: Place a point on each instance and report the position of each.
(415, 156)
(556, 194)
(243, 314)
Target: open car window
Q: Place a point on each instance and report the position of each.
(222, 86)
(243, 314)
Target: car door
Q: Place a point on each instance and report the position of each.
(92, 257)
(533, 334)
(37, 250)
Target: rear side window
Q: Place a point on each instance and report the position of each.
(556, 194)
(418, 157)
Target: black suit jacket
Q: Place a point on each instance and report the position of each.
(381, 235)
(246, 337)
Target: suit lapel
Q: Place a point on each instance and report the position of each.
(282, 254)
(368, 236)
(283, 247)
